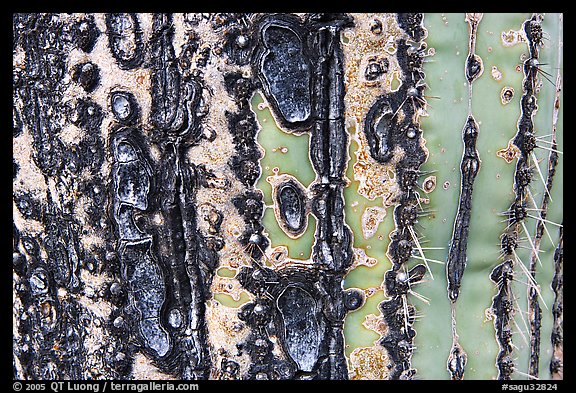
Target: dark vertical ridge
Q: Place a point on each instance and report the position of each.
(557, 335)
(469, 167)
(384, 133)
(525, 141)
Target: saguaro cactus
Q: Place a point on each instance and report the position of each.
(277, 196)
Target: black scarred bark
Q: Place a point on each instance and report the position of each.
(188, 259)
(469, 167)
(385, 131)
(298, 62)
(154, 276)
(52, 328)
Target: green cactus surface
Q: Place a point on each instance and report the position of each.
(447, 98)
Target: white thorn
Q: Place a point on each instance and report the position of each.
(545, 227)
(541, 176)
(531, 279)
(419, 296)
(526, 375)
(549, 149)
(420, 250)
(429, 259)
(405, 307)
(545, 141)
(531, 243)
(548, 221)
(549, 236)
(520, 331)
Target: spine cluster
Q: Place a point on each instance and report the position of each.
(525, 140)
(385, 124)
(557, 336)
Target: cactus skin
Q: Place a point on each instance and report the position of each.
(525, 142)
(448, 35)
(82, 85)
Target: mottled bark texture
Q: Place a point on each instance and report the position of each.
(134, 144)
